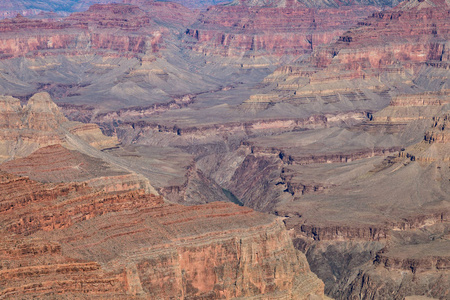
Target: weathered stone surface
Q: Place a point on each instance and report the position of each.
(150, 245)
(40, 123)
(82, 33)
(252, 30)
(96, 229)
(65, 166)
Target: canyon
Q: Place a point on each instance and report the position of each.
(58, 239)
(150, 150)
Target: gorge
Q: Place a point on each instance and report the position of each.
(207, 150)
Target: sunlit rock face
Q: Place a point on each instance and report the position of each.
(40, 123)
(148, 245)
(252, 30)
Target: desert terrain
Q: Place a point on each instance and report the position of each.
(279, 149)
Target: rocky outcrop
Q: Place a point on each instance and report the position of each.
(82, 33)
(315, 4)
(65, 166)
(389, 56)
(397, 256)
(172, 14)
(413, 263)
(251, 30)
(413, 33)
(240, 253)
(81, 224)
(25, 129)
(439, 130)
(40, 123)
(407, 108)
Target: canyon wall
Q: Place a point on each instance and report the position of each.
(79, 223)
(40, 123)
(82, 33)
(246, 253)
(252, 30)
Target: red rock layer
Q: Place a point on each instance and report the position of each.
(254, 31)
(65, 165)
(169, 13)
(413, 33)
(75, 241)
(115, 29)
(39, 123)
(128, 17)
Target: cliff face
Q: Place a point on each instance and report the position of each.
(439, 130)
(150, 245)
(384, 253)
(85, 32)
(25, 129)
(252, 30)
(387, 55)
(78, 223)
(171, 14)
(411, 33)
(40, 123)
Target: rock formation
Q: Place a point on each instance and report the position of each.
(40, 123)
(79, 225)
(84, 32)
(349, 145)
(252, 31)
(152, 249)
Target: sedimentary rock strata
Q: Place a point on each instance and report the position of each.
(40, 123)
(251, 30)
(349, 146)
(427, 226)
(84, 32)
(65, 166)
(149, 245)
(80, 223)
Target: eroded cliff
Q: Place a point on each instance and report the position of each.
(78, 223)
(252, 31)
(59, 239)
(39, 123)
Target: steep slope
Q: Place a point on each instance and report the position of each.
(363, 221)
(309, 3)
(85, 226)
(251, 30)
(400, 51)
(150, 244)
(40, 123)
(85, 32)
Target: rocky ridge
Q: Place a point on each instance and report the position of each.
(51, 254)
(40, 123)
(58, 237)
(251, 31)
(85, 32)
